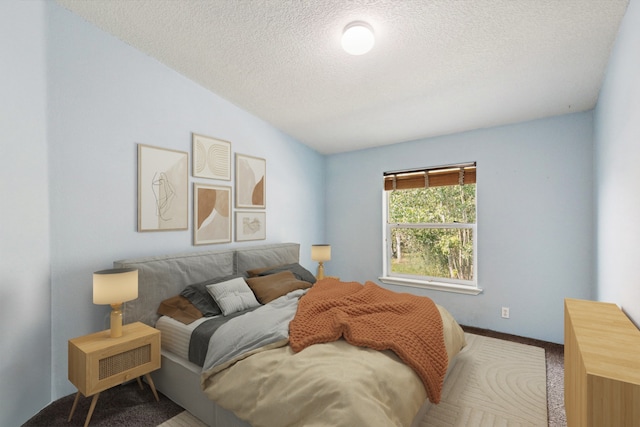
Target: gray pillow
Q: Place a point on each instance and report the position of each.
(200, 297)
(233, 295)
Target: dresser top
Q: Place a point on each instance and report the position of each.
(609, 342)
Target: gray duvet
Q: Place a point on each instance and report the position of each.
(199, 343)
(268, 325)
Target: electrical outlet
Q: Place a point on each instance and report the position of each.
(505, 312)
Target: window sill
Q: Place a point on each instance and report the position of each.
(436, 286)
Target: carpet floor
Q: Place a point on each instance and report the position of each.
(128, 405)
(124, 405)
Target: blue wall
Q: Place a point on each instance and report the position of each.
(25, 334)
(534, 223)
(104, 98)
(617, 141)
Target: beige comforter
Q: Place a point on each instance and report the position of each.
(331, 384)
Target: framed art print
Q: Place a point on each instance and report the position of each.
(163, 192)
(251, 226)
(211, 214)
(250, 182)
(211, 158)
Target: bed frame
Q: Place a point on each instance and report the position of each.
(162, 277)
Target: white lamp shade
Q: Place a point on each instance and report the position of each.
(321, 252)
(115, 286)
(358, 38)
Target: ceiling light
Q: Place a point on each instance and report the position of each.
(357, 38)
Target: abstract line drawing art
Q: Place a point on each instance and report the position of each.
(211, 214)
(251, 226)
(163, 192)
(250, 182)
(211, 158)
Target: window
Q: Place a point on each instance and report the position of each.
(430, 228)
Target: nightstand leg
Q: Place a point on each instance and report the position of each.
(153, 387)
(73, 408)
(139, 382)
(91, 408)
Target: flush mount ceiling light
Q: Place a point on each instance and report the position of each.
(357, 38)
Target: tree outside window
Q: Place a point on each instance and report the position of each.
(430, 231)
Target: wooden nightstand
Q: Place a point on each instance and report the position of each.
(98, 362)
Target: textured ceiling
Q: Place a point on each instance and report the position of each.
(438, 66)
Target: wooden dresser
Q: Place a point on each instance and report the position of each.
(601, 365)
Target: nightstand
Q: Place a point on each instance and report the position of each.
(98, 362)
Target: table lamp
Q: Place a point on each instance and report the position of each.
(320, 253)
(114, 287)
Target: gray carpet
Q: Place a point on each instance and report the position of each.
(125, 405)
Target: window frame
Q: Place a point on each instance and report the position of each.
(469, 287)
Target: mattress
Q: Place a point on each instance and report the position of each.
(175, 335)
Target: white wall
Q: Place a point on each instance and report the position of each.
(105, 97)
(617, 141)
(535, 222)
(25, 334)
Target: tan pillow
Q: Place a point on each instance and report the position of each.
(268, 288)
(299, 271)
(256, 271)
(179, 308)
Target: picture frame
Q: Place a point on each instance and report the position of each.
(251, 225)
(163, 189)
(211, 157)
(251, 174)
(211, 214)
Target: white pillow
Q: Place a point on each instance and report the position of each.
(233, 295)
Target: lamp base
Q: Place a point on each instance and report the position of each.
(116, 320)
(320, 274)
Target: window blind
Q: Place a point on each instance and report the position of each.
(458, 174)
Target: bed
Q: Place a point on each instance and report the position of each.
(364, 386)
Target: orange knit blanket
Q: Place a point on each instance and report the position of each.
(374, 317)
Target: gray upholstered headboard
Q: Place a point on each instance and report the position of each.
(161, 277)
